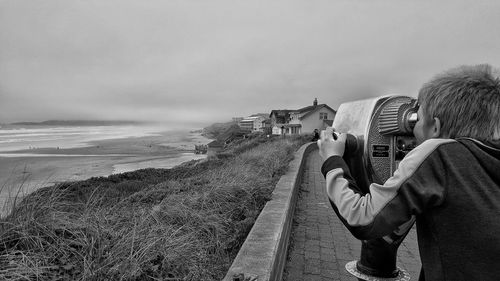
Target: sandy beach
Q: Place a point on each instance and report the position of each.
(24, 171)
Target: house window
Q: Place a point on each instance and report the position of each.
(323, 116)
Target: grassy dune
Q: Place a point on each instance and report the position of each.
(186, 223)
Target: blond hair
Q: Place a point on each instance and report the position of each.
(466, 100)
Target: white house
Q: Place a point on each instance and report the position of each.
(302, 121)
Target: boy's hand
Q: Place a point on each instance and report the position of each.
(328, 146)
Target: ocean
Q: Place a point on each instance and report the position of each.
(18, 137)
(35, 156)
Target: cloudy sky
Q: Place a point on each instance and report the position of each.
(207, 61)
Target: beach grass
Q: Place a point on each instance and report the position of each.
(185, 223)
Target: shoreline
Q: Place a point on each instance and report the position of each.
(24, 171)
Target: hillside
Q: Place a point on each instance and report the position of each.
(185, 223)
(215, 130)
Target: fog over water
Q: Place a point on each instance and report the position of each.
(25, 137)
(199, 62)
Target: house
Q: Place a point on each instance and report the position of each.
(280, 116)
(253, 123)
(302, 121)
(267, 126)
(278, 119)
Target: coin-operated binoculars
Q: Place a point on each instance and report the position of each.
(380, 134)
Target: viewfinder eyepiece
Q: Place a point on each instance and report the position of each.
(398, 118)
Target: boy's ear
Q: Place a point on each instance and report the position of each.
(436, 128)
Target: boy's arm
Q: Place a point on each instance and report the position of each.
(416, 185)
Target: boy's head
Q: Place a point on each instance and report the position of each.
(461, 102)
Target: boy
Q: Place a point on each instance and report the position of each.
(450, 181)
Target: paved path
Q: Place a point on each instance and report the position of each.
(320, 245)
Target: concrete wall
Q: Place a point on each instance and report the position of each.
(263, 255)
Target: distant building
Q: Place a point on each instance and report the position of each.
(267, 127)
(281, 116)
(252, 123)
(246, 124)
(302, 121)
(237, 119)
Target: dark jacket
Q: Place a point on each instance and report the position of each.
(453, 189)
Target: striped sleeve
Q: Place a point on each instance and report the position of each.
(415, 186)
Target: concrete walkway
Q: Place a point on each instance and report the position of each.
(320, 245)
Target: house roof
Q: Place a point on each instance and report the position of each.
(310, 109)
(307, 108)
(280, 112)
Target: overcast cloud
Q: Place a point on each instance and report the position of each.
(207, 61)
